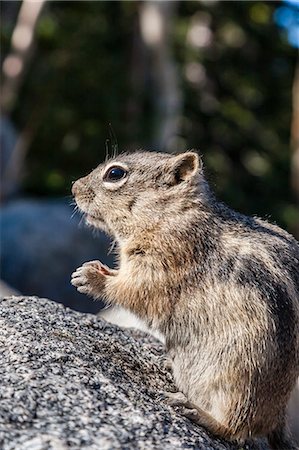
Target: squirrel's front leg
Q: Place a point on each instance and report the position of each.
(91, 278)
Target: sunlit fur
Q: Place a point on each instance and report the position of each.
(221, 287)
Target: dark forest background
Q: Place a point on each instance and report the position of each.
(218, 79)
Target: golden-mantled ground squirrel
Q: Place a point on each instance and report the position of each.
(222, 288)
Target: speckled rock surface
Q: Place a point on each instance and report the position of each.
(72, 381)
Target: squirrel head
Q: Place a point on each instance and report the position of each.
(138, 190)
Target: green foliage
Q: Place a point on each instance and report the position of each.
(239, 112)
(236, 71)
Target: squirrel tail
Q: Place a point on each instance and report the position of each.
(280, 438)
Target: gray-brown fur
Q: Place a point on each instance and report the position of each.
(221, 287)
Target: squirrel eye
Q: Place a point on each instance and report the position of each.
(115, 174)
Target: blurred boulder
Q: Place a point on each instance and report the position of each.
(72, 381)
(42, 244)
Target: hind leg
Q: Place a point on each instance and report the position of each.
(197, 415)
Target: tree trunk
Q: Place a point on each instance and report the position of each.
(155, 25)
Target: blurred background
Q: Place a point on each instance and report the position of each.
(83, 77)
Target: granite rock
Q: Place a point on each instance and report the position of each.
(73, 381)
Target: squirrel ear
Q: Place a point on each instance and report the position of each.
(185, 166)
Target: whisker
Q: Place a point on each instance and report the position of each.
(107, 150)
(114, 143)
(80, 224)
(112, 246)
(95, 232)
(75, 211)
(70, 197)
(106, 306)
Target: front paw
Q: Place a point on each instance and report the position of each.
(90, 278)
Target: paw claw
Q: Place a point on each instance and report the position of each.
(100, 267)
(176, 399)
(97, 264)
(77, 282)
(190, 413)
(83, 289)
(76, 274)
(90, 278)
